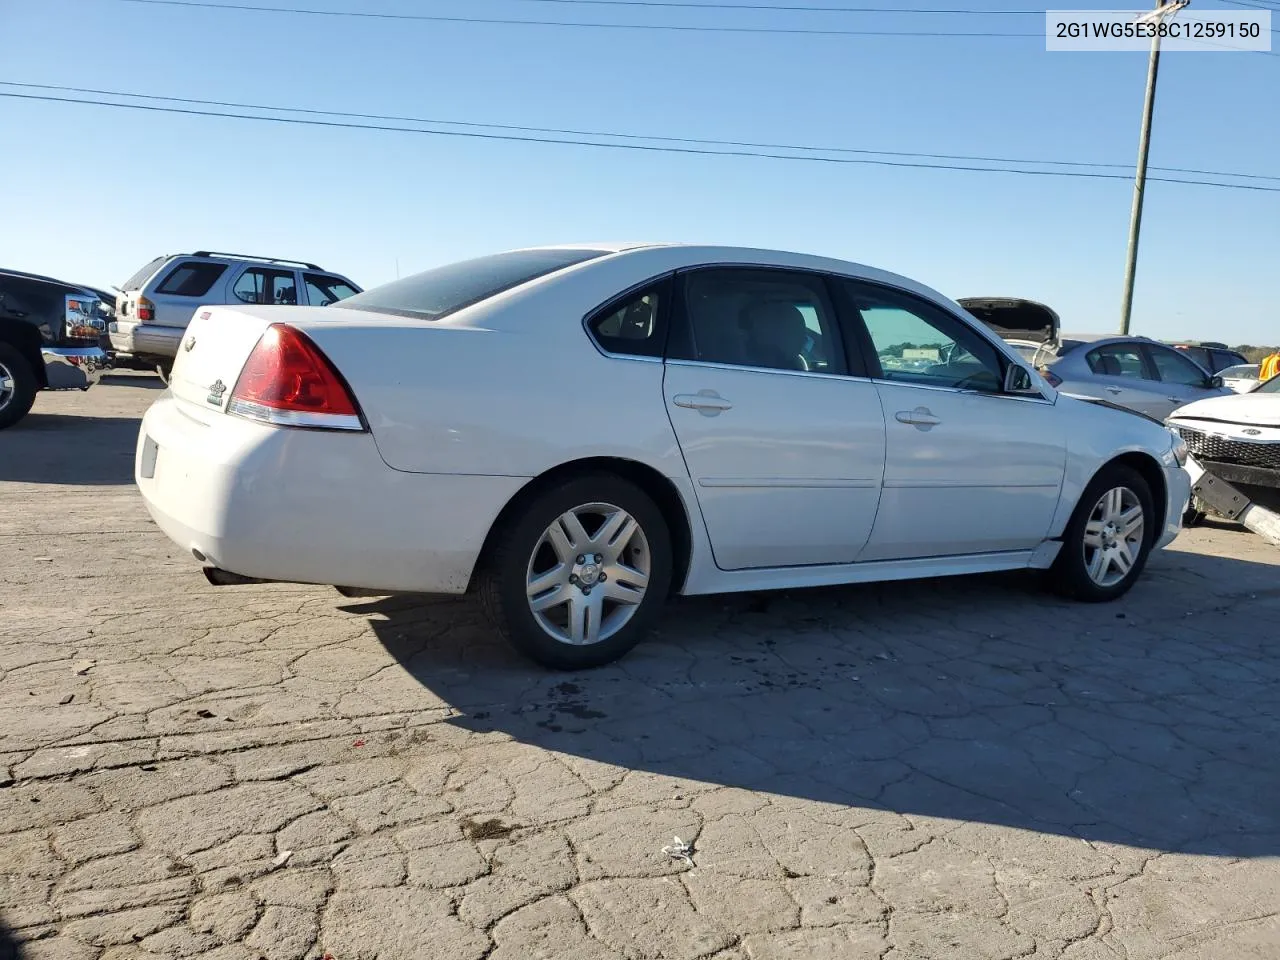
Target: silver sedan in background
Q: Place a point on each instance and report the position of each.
(1133, 372)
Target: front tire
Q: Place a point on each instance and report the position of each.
(18, 386)
(1109, 537)
(578, 576)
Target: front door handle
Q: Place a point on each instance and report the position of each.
(1115, 390)
(1174, 399)
(707, 402)
(919, 417)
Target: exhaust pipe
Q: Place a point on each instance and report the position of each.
(225, 578)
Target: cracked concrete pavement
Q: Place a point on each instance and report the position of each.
(948, 769)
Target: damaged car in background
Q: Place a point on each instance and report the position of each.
(1234, 447)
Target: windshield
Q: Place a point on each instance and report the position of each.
(446, 289)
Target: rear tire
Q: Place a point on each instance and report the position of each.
(1103, 552)
(579, 574)
(18, 385)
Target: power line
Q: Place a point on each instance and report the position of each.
(648, 148)
(700, 141)
(679, 28)
(1254, 4)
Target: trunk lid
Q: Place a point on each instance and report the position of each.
(1012, 318)
(213, 352)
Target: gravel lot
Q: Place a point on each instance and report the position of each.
(947, 769)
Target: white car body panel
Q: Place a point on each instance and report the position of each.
(944, 485)
(792, 486)
(776, 489)
(309, 506)
(1245, 410)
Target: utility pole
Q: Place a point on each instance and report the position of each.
(1157, 16)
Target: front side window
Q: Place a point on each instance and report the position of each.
(257, 285)
(323, 290)
(916, 342)
(444, 290)
(1173, 367)
(192, 279)
(759, 318)
(1117, 360)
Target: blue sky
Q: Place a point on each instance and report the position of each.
(90, 193)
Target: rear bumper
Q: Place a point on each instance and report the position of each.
(309, 506)
(147, 339)
(73, 368)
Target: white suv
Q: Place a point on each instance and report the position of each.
(155, 305)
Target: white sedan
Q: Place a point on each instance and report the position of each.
(575, 433)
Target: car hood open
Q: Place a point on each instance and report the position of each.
(1013, 318)
(1254, 409)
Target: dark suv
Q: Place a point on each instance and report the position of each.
(50, 339)
(1214, 357)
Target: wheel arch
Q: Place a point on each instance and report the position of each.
(1149, 468)
(651, 481)
(26, 339)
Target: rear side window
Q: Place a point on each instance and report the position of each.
(1117, 360)
(634, 326)
(444, 290)
(191, 279)
(142, 276)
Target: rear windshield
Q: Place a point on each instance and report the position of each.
(450, 288)
(142, 276)
(191, 279)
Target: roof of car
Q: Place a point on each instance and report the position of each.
(24, 275)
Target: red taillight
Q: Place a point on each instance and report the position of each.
(146, 309)
(1055, 381)
(288, 381)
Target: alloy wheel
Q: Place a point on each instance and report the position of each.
(1114, 536)
(7, 386)
(588, 573)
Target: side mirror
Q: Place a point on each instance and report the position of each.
(1215, 382)
(1018, 380)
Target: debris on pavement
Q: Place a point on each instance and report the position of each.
(282, 858)
(679, 850)
(81, 667)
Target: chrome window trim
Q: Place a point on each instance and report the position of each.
(715, 365)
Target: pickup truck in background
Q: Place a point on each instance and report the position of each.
(50, 339)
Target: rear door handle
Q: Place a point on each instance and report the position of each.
(919, 417)
(705, 402)
(1115, 390)
(1174, 399)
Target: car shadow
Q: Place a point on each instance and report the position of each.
(9, 949)
(65, 449)
(1149, 722)
(133, 378)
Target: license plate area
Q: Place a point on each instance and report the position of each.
(150, 452)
